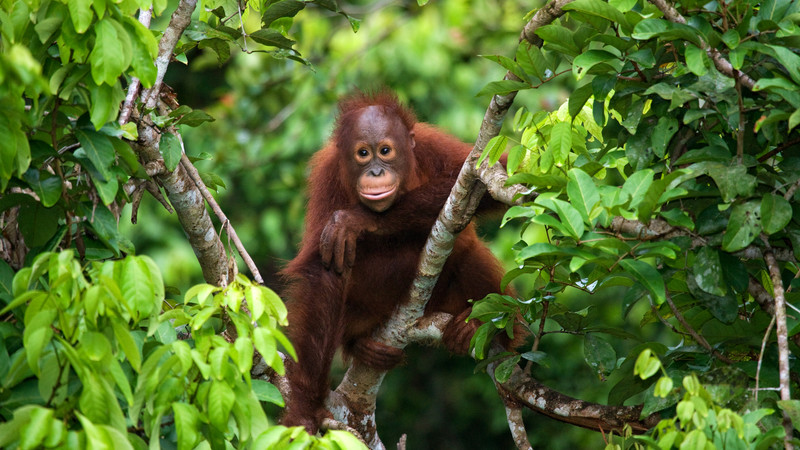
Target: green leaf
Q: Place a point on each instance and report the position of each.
(794, 119)
(220, 403)
(600, 9)
(284, 8)
(560, 142)
(599, 354)
(504, 370)
(662, 134)
(646, 365)
(792, 409)
(636, 186)
(194, 118)
(582, 192)
(38, 224)
(743, 226)
(105, 101)
(509, 64)
(494, 149)
(108, 58)
(80, 11)
(648, 276)
(98, 150)
(268, 36)
(732, 181)
(48, 188)
(36, 428)
(530, 59)
(37, 334)
(170, 148)
(128, 344)
(571, 219)
(502, 87)
(136, 286)
(776, 213)
(711, 153)
(559, 38)
(789, 59)
(187, 425)
(590, 58)
(267, 392)
(577, 99)
(707, 271)
(731, 39)
(666, 31)
(677, 217)
(696, 60)
(345, 439)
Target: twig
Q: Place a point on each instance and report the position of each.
(195, 176)
(761, 355)
(695, 335)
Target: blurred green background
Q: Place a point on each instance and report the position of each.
(273, 114)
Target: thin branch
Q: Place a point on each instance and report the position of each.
(695, 335)
(540, 398)
(660, 229)
(195, 176)
(761, 355)
(783, 333)
(178, 23)
(145, 16)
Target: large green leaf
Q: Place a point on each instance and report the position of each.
(582, 192)
(776, 213)
(98, 150)
(707, 271)
(220, 403)
(283, 8)
(590, 58)
(666, 31)
(636, 186)
(600, 9)
(560, 141)
(743, 226)
(80, 11)
(648, 276)
(47, 187)
(112, 52)
(599, 354)
(170, 148)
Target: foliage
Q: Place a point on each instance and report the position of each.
(63, 69)
(89, 357)
(700, 422)
(667, 171)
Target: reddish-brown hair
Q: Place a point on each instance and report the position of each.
(356, 102)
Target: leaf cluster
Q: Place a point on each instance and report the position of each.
(668, 171)
(89, 358)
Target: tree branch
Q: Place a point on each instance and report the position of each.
(195, 176)
(719, 61)
(182, 192)
(782, 333)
